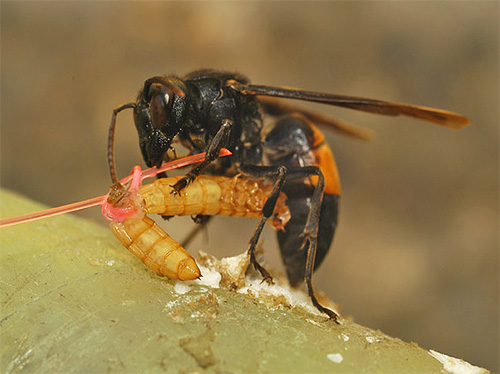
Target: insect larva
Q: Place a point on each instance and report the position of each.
(153, 246)
(214, 195)
(207, 195)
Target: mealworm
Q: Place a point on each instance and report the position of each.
(214, 195)
(153, 246)
(207, 195)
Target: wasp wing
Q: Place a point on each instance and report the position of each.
(438, 116)
(276, 107)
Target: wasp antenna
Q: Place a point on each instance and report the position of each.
(175, 88)
(136, 176)
(111, 139)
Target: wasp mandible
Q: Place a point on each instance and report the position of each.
(208, 109)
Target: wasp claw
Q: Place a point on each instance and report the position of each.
(181, 184)
(268, 280)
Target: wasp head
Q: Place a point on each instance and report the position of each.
(159, 115)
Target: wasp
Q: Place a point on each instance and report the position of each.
(208, 109)
(127, 207)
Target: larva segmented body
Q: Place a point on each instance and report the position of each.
(153, 246)
(207, 195)
(214, 195)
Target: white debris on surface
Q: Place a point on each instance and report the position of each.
(209, 278)
(291, 298)
(344, 337)
(170, 305)
(455, 365)
(231, 271)
(313, 322)
(128, 302)
(235, 265)
(335, 357)
(181, 288)
(372, 339)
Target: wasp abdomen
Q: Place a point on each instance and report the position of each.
(153, 246)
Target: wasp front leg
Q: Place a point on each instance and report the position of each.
(219, 141)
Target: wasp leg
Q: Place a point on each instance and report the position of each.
(311, 242)
(201, 222)
(267, 212)
(310, 232)
(219, 141)
(281, 173)
(311, 254)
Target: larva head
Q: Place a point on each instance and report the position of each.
(124, 201)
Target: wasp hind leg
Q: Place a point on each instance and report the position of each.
(311, 254)
(266, 276)
(279, 172)
(310, 235)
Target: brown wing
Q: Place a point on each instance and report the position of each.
(438, 116)
(276, 107)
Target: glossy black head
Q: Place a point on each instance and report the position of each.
(159, 115)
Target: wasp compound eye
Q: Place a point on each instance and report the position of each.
(160, 105)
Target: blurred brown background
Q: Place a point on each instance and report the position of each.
(416, 253)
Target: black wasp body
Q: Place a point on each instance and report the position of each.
(208, 110)
(194, 109)
(295, 143)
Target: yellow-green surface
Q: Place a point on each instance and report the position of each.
(73, 300)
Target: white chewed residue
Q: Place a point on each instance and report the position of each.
(344, 337)
(372, 339)
(255, 287)
(181, 288)
(209, 277)
(335, 357)
(235, 265)
(293, 297)
(170, 305)
(456, 365)
(313, 322)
